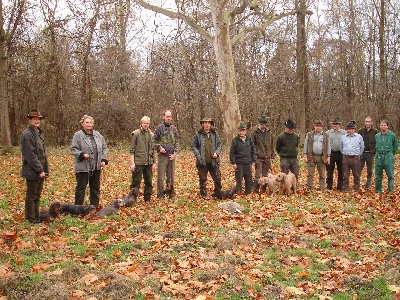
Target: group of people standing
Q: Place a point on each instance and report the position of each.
(336, 148)
(350, 151)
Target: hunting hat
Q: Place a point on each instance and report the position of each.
(242, 125)
(336, 121)
(290, 124)
(318, 122)
(34, 113)
(207, 119)
(263, 120)
(351, 125)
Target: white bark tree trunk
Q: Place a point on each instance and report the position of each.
(229, 102)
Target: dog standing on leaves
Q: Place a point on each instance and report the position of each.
(270, 183)
(287, 183)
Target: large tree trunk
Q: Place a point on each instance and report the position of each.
(302, 69)
(5, 121)
(229, 102)
(382, 64)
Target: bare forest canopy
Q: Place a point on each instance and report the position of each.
(117, 61)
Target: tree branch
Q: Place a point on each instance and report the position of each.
(268, 22)
(238, 10)
(177, 15)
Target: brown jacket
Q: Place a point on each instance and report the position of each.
(263, 150)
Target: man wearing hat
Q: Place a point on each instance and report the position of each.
(334, 134)
(286, 147)
(317, 152)
(386, 148)
(263, 142)
(242, 156)
(367, 158)
(206, 147)
(35, 167)
(351, 146)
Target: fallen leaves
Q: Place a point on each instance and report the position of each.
(188, 248)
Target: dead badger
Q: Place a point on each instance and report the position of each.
(231, 206)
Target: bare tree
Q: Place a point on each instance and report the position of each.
(88, 18)
(6, 41)
(222, 38)
(382, 101)
(302, 69)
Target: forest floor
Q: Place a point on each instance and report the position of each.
(313, 245)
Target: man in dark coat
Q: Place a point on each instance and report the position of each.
(264, 144)
(206, 146)
(368, 156)
(242, 156)
(35, 167)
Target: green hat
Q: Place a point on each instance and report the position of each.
(351, 125)
(336, 121)
(263, 120)
(318, 122)
(242, 126)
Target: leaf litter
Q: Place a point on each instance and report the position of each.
(310, 245)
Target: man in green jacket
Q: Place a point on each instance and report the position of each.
(286, 147)
(143, 155)
(35, 167)
(386, 143)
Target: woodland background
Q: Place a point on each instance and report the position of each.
(118, 61)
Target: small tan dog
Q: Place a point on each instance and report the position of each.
(270, 183)
(287, 183)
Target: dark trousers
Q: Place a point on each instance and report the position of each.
(336, 159)
(166, 168)
(261, 170)
(34, 189)
(215, 175)
(82, 180)
(351, 163)
(290, 164)
(368, 159)
(243, 171)
(146, 172)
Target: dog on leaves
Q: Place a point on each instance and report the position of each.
(270, 183)
(130, 199)
(287, 183)
(77, 210)
(51, 214)
(111, 209)
(222, 195)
